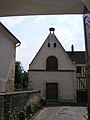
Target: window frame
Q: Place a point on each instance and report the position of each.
(51, 63)
(78, 69)
(49, 45)
(54, 45)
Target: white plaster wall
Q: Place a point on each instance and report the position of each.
(66, 83)
(11, 76)
(7, 51)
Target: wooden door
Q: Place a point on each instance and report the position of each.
(52, 91)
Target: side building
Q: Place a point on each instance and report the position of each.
(79, 60)
(8, 44)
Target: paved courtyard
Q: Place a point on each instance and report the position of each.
(62, 113)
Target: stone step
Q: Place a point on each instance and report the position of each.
(56, 103)
(52, 104)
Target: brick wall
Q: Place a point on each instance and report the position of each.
(17, 102)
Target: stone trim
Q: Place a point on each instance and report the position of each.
(53, 71)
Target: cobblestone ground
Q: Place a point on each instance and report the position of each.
(62, 113)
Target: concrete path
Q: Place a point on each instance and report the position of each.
(62, 113)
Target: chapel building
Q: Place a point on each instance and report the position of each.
(56, 72)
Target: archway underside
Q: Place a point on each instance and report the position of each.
(43, 7)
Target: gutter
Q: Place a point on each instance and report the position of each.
(18, 44)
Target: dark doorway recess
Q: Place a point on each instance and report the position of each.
(82, 96)
(52, 91)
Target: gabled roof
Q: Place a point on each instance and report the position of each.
(77, 56)
(39, 61)
(8, 34)
(48, 37)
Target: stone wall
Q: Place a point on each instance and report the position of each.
(13, 104)
(11, 76)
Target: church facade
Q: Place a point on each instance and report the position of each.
(53, 72)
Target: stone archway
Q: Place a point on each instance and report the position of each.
(22, 7)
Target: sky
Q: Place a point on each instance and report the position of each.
(32, 31)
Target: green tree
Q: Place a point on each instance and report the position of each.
(21, 77)
(25, 80)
